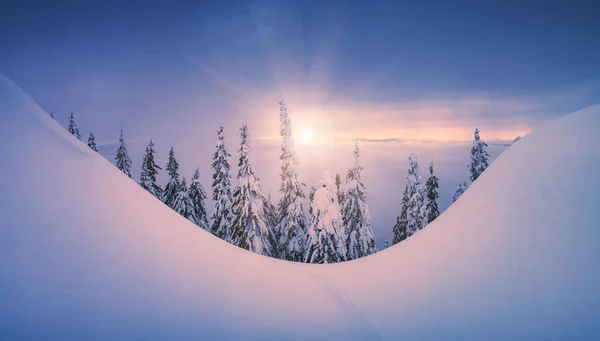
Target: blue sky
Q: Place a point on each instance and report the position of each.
(375, 70)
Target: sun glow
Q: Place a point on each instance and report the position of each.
(306, 135)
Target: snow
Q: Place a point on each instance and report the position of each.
(87, 254)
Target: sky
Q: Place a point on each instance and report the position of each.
(402, 76)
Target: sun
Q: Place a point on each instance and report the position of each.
(306, 134)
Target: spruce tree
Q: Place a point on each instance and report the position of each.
(339, 190)
(250, 227)
(416, 204)
(270, 212)
(355, 213)
(198, 197)
(149, 172)
(182, 203)
(122, 159)
(400, 229)
(462, 187)
(221, 185)
(413, 215)
(311, 197)
(92, 142)
(326, 241)
(73, 129)
(173, 186)
(479, 157)
(432, 186)
(292, 224)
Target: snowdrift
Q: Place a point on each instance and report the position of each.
(86, 254)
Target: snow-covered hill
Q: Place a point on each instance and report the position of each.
(86, 254)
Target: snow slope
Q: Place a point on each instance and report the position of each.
(86, 254)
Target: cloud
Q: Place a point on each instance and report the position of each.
(382, 140)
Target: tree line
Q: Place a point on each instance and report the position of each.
(336, 225)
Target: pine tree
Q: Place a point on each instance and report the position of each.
(173, 185)
(311, 197)
(52, 115)
(198, 197)
(432, 186)
(400, 230)
(92, 142)
(339, 190)
(149, 172)
(416, 204)
(122, 159)
(292, 224)
(462, 187)
(250, 227)
(182, 203)
(73, 129)
(413, 216)
(355, 213)
(270, 212)
(326, 241)
(221, 185)
(479, 157)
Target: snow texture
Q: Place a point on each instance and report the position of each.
(514, 259)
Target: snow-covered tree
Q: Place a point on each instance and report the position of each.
(480, 159)
(432, 186)
(326, 241)
(291, 227)
(198, 197)
(462, 187)
(182, 203)
(221, 185)
(516, 139)
(386, 243)
(311, 197)
(413, 215)
(400, 229)
(339, 190)
(271, 213)
(52, 115)
(149, 173)
(92, 142)
(416, 204)
(122, 159)
(355, 213)
(173, 186)
(73, 129)
(250, 226)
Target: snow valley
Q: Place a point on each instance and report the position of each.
(335, 227)
(86, 253)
